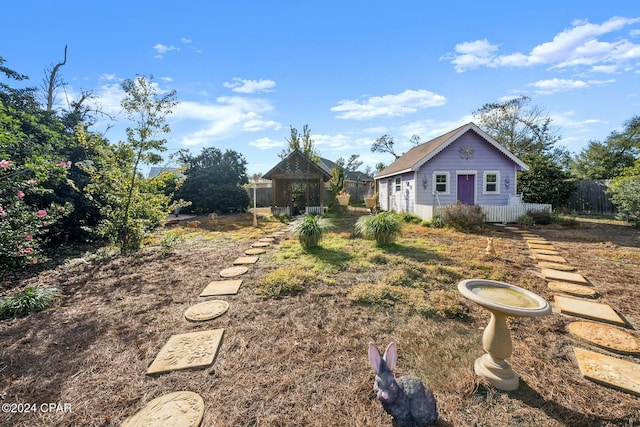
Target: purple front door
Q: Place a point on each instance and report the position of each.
(466, 187)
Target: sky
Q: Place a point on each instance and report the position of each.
(246, 71)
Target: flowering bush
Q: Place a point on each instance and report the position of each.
(22, 226)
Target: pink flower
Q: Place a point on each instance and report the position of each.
(28, 250)
(42, 213)
(4, 164)
(20, 194)
(2, 212)
(32, 261)
(32, 182)
(29, 238)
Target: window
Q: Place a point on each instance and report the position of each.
(398, 184)
(491, 182)
(441, 182)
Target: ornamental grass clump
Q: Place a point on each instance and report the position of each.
(310, 229)
(384, 227)
(31, 299)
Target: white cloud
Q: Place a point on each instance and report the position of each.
(185, 40)
(228, 116)
(107, 77)
(266, 143)
(555, 85)
(162, 49)
(565, 119)
(401, 104)
(250, 86)
(577, 46)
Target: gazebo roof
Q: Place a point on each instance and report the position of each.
(296, 166)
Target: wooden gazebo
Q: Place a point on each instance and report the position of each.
(297, 185)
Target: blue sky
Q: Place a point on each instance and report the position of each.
(245, 71)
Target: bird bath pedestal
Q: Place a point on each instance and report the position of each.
(501, 300)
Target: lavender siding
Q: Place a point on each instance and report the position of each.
(485, 158)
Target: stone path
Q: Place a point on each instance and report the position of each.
(563, 279)
(195, 349)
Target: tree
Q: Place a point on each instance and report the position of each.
(353, 164)
(52, 81)
(605, 160)
(214, 181)
(520, 130)
(302, 143)
(625, 194)
(384, 144)
(545, 182)
(148, 109)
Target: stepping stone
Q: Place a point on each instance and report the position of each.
(549, 258)
(605, 336)
(234, 271)
(260, 245)
(538, 242)
(187, 351)
(572, 288)
(267, 240)
(512, 228)
(609, 371)
(530, 237)
(206, 310)
(182, 408)
(546, 246)
(563, 276)
(255, 251)
(221, 287)
(556, 266)
(545, 251)
(588, 309)
(245, 260)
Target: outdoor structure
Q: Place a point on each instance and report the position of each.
(464, 165)
(297, 185)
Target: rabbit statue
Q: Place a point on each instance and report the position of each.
(406, 398)
(490, 249)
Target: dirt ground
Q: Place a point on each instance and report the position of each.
(302, 360)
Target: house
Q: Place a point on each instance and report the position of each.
(356, 183)
(464, 165)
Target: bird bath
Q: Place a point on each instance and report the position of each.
(502, 300)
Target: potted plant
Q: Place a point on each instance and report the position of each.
(371, 201)
(343, 197)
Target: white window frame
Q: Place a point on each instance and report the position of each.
(485, 183)
(397, 184)
(434, 184)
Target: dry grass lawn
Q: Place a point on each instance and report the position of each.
(300, 359)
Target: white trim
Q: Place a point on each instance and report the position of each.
(395, 184)
(393, 173)
(448, 183)
(484, 182)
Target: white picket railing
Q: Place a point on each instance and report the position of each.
(315, 210)
(275, 210)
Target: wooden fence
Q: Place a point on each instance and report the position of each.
(590, 197)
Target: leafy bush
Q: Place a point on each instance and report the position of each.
(384, 227)
(535, 217)
(31, 299)
(411, 218)
(169, 240)
(625, 195)
(436, 222)
(464, 217)
(309, 229)
(285, 281)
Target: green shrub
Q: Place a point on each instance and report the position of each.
(464, 217)
(309, 229)
(169, 240)
(410, 218)
(384, 227)
(436, 222)
(31, 299)
(535, 217)
(285, 281)
(526, 219)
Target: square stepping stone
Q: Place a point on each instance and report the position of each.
(588, 309)
(546, 246)
(245, 260)
(549, 258)
(187, 351)
(538, 242)
(556, 266)
(221, 287)
(545, 251)
(609, 371)
(573, 289)
(563, 276)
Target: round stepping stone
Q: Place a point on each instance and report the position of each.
(255, 251)
(606, 336)
(234, 271)
(278, 233)
(182, 408)
(572, 288)
(267, 240)
(556, 266)
(261, 245)
(206, 310)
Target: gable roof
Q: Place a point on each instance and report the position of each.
(327, 165)
(413, 159)
(297, 166)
